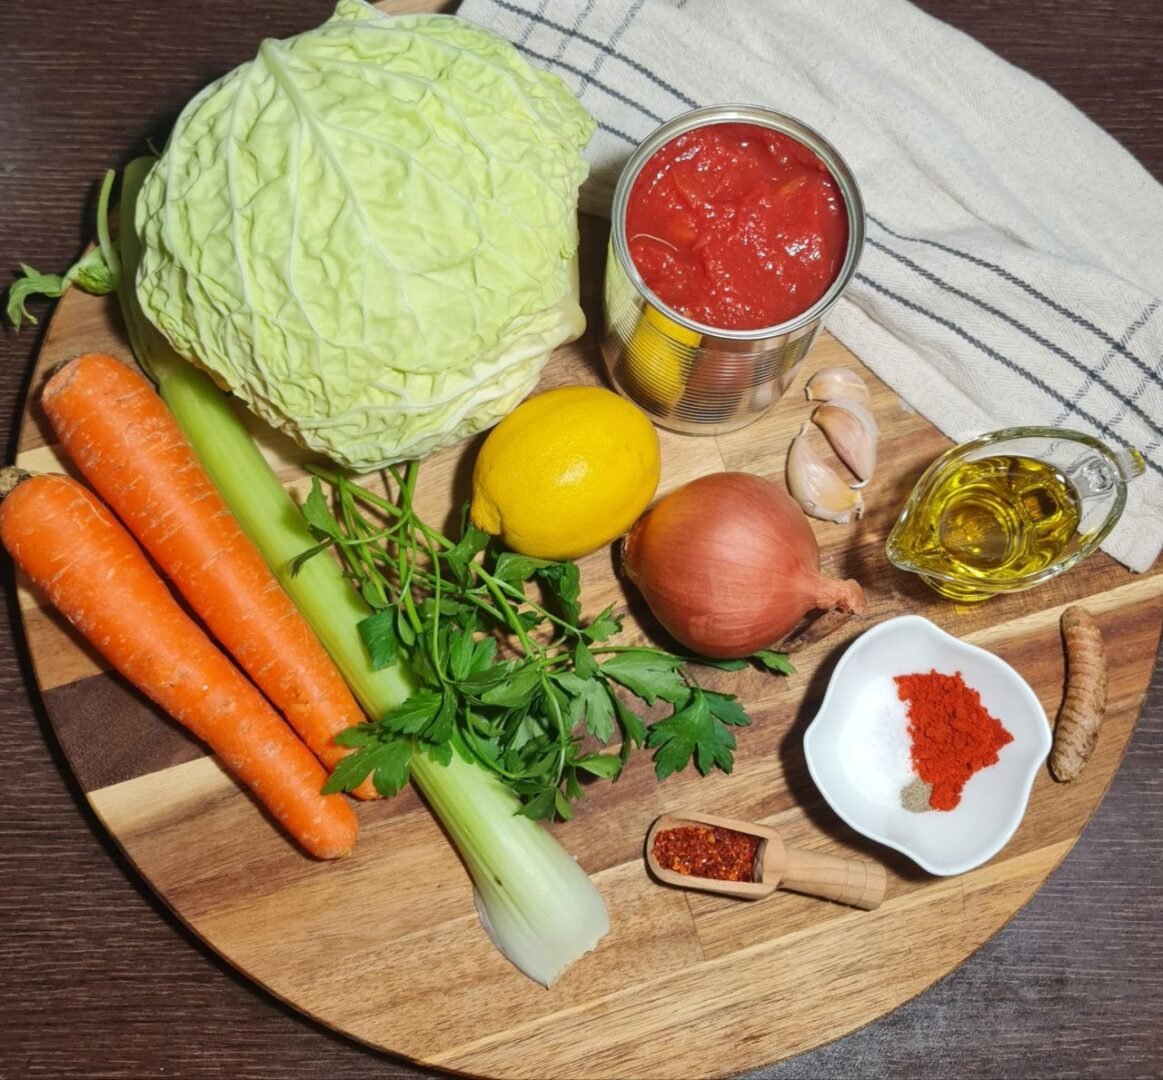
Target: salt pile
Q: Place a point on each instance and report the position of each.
(876, 748)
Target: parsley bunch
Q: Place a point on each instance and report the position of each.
(512, 680)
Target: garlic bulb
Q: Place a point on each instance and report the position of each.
(852, 432)
(836, 383)
(818, 488)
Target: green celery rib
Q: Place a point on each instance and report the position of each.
(539, 907)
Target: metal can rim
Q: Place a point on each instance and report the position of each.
(763, 117)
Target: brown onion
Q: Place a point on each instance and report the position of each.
(729, 564)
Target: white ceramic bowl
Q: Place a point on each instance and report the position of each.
(858, 752)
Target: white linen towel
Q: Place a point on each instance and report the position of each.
(1012, 269)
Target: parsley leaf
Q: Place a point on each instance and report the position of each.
(583, 661)
(318, 514)
(443, 724)
(725, 707)
(461, 648)
(722, 665)
(775, 661)
(416, 711)
(561, 578)
(606, 766)
(392, 767)
(591, 700)
(649, 673)
(633, 726)
(484, 652)
(388, 762)
(378, 632)
(694, 730)
(473, 541)
(564, 581)
(518, 690)
(514, 569)
(602, 628)
(542, 805)
(404, 629)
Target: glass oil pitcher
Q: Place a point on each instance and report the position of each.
(1011, 509)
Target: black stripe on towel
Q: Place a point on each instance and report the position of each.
(1032, 334)
(550, 61)
(1030, 290)
(1143, 318)
(1005, 361)
(601, 46)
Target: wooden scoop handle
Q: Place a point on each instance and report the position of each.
(847, 881)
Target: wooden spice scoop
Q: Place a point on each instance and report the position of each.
(777, 866)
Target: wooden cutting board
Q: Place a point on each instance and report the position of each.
(386, 946)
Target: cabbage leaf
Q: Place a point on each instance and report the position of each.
(369, 232)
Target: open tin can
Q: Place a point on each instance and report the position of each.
(695, 378)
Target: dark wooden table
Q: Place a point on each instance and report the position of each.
(97, 978)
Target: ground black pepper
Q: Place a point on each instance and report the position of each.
(915, 795)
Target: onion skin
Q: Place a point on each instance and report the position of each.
(729, 564)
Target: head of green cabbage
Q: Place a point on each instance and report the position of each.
(369, 232)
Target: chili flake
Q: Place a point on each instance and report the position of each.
(707, 852)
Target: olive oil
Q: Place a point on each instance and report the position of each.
(993, 520)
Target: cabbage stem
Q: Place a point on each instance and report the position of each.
(534, 901)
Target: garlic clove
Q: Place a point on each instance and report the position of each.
(852, 432)
(817, 487)
(837, 383)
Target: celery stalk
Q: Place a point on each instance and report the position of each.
(535, 902)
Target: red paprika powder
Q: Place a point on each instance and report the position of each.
(952, 734)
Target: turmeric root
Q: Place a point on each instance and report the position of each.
(1085, 702)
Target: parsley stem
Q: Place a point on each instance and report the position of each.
(494, 764)
(528, 645)
(400, 508)
(565, 656)
(522, 597)
(563, 736)
(437, 588)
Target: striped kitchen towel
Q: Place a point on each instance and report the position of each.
(1011, 273)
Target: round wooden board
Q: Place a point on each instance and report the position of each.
(386, 946)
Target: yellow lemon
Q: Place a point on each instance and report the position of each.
(566, 472)
(658, 358)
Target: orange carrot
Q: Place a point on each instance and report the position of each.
(94, 573)
(124, 440)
